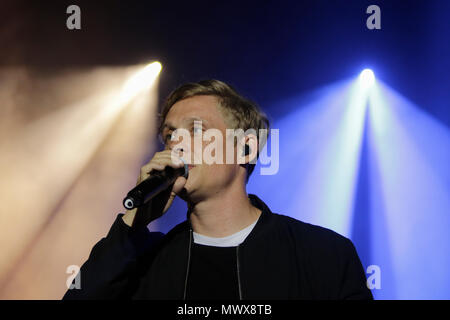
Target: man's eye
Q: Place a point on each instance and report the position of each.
(167, 137)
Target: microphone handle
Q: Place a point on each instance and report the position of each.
(153, 185)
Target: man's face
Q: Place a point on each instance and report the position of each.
(205, 180)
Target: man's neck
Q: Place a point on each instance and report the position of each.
(224, 214)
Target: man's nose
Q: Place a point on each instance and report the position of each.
(178, 150)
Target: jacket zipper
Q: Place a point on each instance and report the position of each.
(238, 273)
(188, 264)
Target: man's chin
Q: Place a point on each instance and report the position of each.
(189, 196)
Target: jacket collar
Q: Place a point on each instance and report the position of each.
(260, 226)
(263, 220)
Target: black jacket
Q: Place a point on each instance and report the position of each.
(282, 258)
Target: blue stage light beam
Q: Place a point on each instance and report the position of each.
(319, 155)
(364, 129)
(410, 204)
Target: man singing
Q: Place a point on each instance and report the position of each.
(231, 245)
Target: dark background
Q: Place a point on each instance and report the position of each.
(269, 50)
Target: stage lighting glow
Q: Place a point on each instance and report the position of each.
(140, 81)
(367, 78)
(374, 168)
(325, 133)
(81, 128)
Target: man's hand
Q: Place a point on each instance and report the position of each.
(158, 205)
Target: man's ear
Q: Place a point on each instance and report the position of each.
(249, 149)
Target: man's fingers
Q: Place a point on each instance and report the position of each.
(159, 162)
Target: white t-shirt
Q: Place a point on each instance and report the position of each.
(229, 241)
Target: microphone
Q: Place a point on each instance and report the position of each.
(150, 187)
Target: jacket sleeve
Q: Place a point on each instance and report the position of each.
(112, 269)
(354, 283)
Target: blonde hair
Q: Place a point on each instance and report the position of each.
(238, 111)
